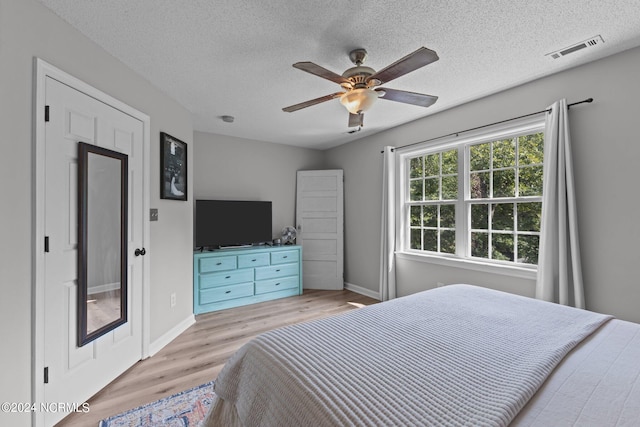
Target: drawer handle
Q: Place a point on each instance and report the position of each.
(253, 260)
(228, 277)
(285, 257)
(278, 270)
(218, 263)
(277, 284)
(228, 292)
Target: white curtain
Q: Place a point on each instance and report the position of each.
(388, 227)
(559, 270)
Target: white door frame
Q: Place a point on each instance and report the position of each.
(44, 70)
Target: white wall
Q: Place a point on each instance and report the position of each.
(606, 152)
(242, 169)
(28, 30)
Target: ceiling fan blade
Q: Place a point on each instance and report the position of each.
(413, 98)
(319, 71)
(411, 62)
(311, 102)
(356, 120)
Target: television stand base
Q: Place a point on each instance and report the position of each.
(236, 246)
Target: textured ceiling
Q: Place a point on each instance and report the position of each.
(234, 57)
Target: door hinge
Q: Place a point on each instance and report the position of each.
(46, 375)
(46, 113)
(46, 243)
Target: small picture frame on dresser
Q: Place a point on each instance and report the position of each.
(173, 168)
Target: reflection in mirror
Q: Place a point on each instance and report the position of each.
(102, 244)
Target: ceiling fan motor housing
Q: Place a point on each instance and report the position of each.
(359, 74)
(358, 77)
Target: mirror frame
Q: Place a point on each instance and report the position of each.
(84, 149)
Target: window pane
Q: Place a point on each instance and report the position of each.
(528, 249)
(504, 154)
(531, 149)
(448, 241)
(529, 216)
(480, 217)
(415, 191)
(432, 189)
(479, 184)
(480, 155)
(502, 216)
(504, 183)
(450, 162)
(530, 183)
(415, 167)
(416, 235)
(449, 188)
(447, 216)
(415, 215)
(501, 211)
(432, 165)
(480, 245)
(430, 240)
(502, 247)
(430, 215)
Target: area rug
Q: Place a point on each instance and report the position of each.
(185, 409)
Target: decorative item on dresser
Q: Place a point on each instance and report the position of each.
(228, 278)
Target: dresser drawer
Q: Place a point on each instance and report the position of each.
(224, 293)
(253, 260)
(284, 257)
(273, 285)
(225, 278)
(220, 263)
(277, 271)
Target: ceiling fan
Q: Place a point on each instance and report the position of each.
(360, 83)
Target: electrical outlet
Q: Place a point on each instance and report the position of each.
(173, 300)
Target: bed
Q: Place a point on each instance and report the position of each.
(457, 355)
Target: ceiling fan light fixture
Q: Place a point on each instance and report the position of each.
(358, 100)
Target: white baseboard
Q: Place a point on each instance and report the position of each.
(362, 291)
(170, 335)
(103, 288)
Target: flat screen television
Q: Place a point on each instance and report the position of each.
(223, 223)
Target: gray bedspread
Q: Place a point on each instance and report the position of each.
(457, 355)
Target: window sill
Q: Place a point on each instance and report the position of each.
(523, 272)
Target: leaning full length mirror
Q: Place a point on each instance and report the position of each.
(102, 243)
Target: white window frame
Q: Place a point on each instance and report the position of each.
(461, 259)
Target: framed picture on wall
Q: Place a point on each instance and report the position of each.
(173, 168)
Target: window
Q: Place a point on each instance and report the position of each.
(476, 199)
(433, 191)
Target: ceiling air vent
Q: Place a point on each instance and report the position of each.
(593, 41)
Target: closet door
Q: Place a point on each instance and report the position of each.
(320, 224)
(73, 373)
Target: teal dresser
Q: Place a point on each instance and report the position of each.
(227, 278)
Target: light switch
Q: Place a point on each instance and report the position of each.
(153, 214)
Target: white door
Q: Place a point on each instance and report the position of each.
(76, 373)
(320, 224)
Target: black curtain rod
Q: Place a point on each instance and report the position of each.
(588, 100)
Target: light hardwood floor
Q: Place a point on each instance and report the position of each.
(198, 354)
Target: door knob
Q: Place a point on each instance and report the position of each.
(139, 252)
